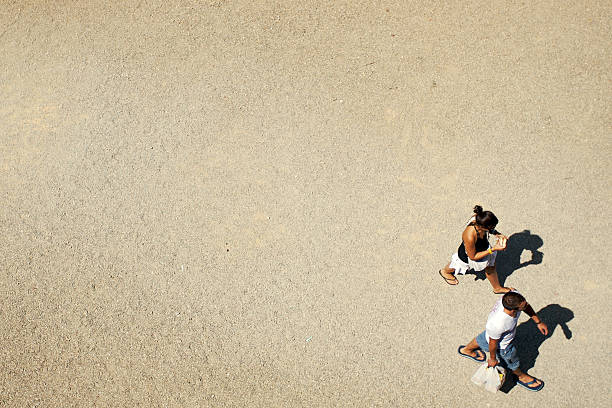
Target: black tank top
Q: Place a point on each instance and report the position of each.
(482, 244)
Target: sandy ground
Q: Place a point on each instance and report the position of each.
(216, 203)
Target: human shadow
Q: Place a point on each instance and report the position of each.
(528, 338)
(509, 260)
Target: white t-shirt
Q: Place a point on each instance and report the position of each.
(501, 326)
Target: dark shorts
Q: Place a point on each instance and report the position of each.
(508, 356)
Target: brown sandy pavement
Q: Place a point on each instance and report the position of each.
(226, 204)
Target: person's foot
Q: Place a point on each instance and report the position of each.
(502, 290)
(449, 278)
(477, 355)
(531, 383)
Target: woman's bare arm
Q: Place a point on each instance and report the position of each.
(469, 240)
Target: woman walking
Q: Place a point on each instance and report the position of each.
(475, 252)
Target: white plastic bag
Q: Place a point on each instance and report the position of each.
(491, 377)
(495, 378)
(480, 376)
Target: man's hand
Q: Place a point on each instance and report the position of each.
(492, 361)
(543, 328)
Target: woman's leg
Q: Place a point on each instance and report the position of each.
(491, 274)
(449, 274)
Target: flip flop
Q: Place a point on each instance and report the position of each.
(503, 293)
(448, 280)
(526, 384)
(476, 359)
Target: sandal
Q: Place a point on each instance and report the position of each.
(482, 359)
(449, 280)
(503, 293)
(527, 384)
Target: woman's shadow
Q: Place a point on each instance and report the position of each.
(509, 260)
(528, 338)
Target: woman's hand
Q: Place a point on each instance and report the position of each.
(501, 244)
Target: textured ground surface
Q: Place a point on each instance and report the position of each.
(215, 203)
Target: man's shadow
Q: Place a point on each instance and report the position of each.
(509, 260)
(528, 338)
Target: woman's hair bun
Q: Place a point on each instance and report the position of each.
(478, 209)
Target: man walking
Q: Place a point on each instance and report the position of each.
(498, 338)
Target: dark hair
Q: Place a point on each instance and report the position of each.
(512, 300)
(485, 218)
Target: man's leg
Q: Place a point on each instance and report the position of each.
(476, 348)
(510, 356)
(525, 378)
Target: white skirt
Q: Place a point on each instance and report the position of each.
(461, 267)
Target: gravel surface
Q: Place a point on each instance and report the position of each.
(228, 204)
